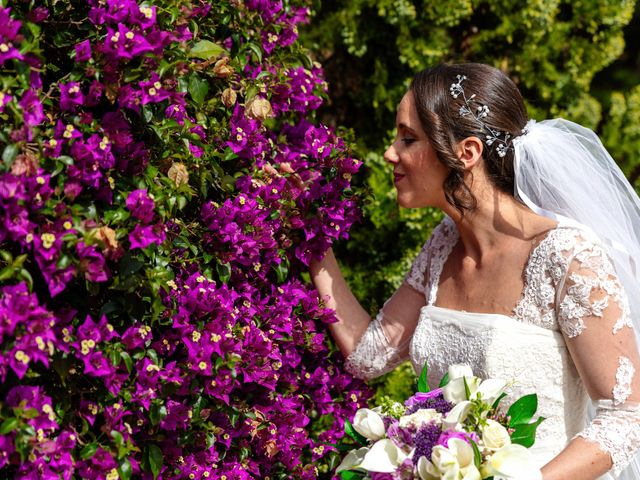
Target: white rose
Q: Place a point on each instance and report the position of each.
(512, 462)
(420, 417)
(369, 424)
(454, 462)
(383, 457)
(495, 436)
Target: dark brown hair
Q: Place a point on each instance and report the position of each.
(439, 114)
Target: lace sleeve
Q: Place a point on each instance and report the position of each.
(593, 314)
(375, 355)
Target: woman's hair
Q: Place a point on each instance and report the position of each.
(443, 124)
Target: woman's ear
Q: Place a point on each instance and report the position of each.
(469, 151)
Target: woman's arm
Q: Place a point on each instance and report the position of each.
(371, 347)
(353, 320)
(594, 317)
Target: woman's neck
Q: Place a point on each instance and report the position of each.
(497, 220)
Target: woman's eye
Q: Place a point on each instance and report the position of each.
(408, 140)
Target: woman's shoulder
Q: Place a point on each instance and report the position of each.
(571, 245)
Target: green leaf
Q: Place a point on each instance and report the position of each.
(351, 475)
(423, 384)
(525, 434)
(127, 361)
(523, 410)
(155, 460)
(198, 89)
(444, 380)
(125, 470)
(497, 400)
(281, 272)
(205, 50)
(477, 457)
(157, 413)
(8, 425)
(88, 451)
(9, 154)
(467, 391)
(224, 272)
(256, 50)
(349, 430)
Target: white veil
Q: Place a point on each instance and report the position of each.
(563, 171)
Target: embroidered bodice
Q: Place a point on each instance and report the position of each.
(573, 316)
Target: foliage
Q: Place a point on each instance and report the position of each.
(163, 186)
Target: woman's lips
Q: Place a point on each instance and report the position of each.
(397, 177)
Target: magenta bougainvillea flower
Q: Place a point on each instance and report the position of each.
(163, 188)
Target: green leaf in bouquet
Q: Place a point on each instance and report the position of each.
(525, 434)
(423, 384)
(467, 390)
(351, 475)
(477, 457)
(523, 410)
(497, 400)
(444, 381)
(349, 430)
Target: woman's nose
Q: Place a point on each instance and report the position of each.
(390, 155)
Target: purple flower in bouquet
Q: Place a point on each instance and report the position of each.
(447, 435)
(426, 438)
(433, 399)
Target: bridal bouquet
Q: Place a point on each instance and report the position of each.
(455, 432)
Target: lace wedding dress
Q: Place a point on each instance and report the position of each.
(568, 282)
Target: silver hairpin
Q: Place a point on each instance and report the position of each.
(501, 139)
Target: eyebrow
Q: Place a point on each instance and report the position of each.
(406, 127)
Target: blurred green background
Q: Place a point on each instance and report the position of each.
(577, 59)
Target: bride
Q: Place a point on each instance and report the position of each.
(531, 277)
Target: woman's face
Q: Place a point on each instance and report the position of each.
(417, 173)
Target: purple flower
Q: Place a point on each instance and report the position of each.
(433, 399)
(4, 99)
(8, 26)
(38, 14)
(419, 397)
(92, 263)
(70, 96)
(426, 438)
(152, 90)
(125, 43)
(97, 365)
(142, 237)
(447, 435)
(141, 205)
(7, 48)
(83, 51)
(32, 108)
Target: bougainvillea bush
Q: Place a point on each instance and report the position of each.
(163, 187)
